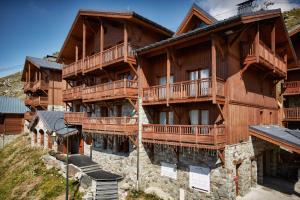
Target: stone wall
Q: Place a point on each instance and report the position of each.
(7, 139)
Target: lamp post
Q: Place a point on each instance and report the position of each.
(54, 135)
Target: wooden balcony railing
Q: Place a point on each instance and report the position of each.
(28, 86)
(29, 115)
(115, 89)
(40, 85)
(206, 136)
(185, 90)
(292, 114)
(37, 101)
(110, 125)
(265, 55)
(74, 117)
(292, 88)
(101, 59)
(73, 93)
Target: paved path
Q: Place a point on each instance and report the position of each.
(273, 189)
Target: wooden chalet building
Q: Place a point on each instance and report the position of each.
(202, 92)
(43, 85)
(11, 115)
(291, 86)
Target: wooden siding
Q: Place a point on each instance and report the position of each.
(73, 93)
(292, 88)
(74, 117)
(12, 124)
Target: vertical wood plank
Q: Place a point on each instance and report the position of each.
(257, 44)
(273, 39)
(101, 42)
(168, 77)
(83, 40)
(125, 42)
(213, 69)
(76, 53)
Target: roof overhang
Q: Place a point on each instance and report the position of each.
(277, 135)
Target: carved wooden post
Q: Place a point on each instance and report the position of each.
(125, 42)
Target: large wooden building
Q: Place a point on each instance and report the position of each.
(43, 85)
(173, 112)
(101, 73)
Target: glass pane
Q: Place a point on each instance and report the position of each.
(171, 118)
(194, 117)
(162, 118)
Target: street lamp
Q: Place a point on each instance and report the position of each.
(54, 136)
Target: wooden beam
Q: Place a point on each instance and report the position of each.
(101, 42)
(76, 53)
(257, 44)
(125, 42)
(29, 72)
(133, 69)
(221, 111)
(213, 69)
(133, 140)
(133, 104)
(244, 69)
(239, 34)
(273, 39)
(83, 40)
(168, 77)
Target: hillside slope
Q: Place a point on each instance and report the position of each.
(11, 85)
(292, 18)
(24, 175)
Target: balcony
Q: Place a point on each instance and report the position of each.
(110, 125)
(292, 88)
(109, 56)
(74, 117)
(29, 115)
(201, 136)
(186, 91)
(28, 86)
(251, 53)
(37, 101)
(40, 85)
(73, 93)
(291, 114)
(111, 90)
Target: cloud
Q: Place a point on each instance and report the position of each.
(222, 9)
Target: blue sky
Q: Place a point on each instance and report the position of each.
(39, 27)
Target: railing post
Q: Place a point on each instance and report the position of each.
(214, 130)
(124, 86)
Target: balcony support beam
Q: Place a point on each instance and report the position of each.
(273, 39)
(256, 48)
(125, 42)
(133, 140)
(133, 69)
(101, 42)
(168, 76)
(76, 53)
(83, 40)
(213, 69)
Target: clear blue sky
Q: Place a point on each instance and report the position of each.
(39, 27)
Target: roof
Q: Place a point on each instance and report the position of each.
(206, 29)
(54, 121)
(201, 14)
(42, 63)
(126, 15)
(12, 105)
(294, 30)
(287, 138)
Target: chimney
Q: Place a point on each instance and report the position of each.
(246, 7)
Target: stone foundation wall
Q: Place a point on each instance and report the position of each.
(7, 139)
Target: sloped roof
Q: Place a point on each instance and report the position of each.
(294, 30)
(42, 63)
(54, 121)
(12, 105)
(195, 10)
(278, 135)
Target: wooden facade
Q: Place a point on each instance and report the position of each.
(204, 89)
(291, 86)
(101, 70)
(42, 85)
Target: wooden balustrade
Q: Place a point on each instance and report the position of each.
(115, 89)
(74, 117)
(40, 85)
(98, 60)
(37, 101)
(73, 93)
(185, 90)
(292, 114)
(208, 136)
(292, 87)
(266, 56)
(28, 86)
(110, 125)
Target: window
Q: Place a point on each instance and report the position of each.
(163, 81)
(198, 87)
(166, 118)
(199, 117)
(125, 75)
